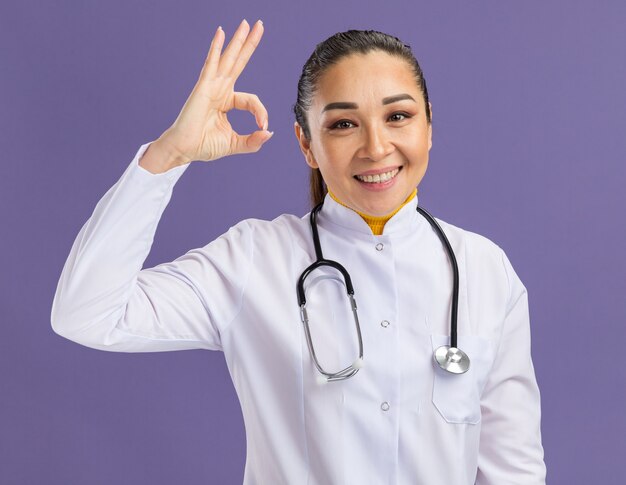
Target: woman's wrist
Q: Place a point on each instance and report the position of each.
(160, 157)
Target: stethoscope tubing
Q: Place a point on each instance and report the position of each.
(450, 358)
(455, 273)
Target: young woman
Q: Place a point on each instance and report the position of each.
(339, 328)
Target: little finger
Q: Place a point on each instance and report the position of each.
(213, 57)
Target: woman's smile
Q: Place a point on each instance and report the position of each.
(378, 179)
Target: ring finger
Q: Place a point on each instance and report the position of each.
(232, 51)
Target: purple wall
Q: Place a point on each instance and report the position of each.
(529, 148)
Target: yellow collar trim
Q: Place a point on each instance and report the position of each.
(376, 223)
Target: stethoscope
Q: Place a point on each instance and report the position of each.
(449, 357)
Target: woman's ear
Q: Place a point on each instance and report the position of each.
(305, 146)
(430, 127)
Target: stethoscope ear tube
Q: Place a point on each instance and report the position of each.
(356, 365)
(319, 262)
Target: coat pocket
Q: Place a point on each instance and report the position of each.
(457, 396)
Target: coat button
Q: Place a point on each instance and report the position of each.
(385, 406)
(380, 246)
(384, 324)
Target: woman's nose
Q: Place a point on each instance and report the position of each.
(376, 144)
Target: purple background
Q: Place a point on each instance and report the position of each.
(529, 144)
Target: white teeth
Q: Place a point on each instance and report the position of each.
(383, 177)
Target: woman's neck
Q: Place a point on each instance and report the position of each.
(376, 223)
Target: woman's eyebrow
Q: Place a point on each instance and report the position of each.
(347, 105)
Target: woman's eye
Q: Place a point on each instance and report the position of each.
(404, 115)
(340, 124)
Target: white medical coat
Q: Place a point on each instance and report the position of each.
(400, 419)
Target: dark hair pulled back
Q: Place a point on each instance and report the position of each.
(330, 52)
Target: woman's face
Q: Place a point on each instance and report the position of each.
(369, 134)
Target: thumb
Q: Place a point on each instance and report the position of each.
(250, 143)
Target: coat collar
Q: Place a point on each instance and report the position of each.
(405, 220)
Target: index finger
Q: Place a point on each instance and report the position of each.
(251, 43)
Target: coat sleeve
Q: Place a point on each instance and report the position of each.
(106, 301)
(510, 450)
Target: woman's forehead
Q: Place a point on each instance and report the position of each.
(365, 77)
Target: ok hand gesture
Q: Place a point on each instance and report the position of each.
(202, 131)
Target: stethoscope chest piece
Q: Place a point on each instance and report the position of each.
(452, 359)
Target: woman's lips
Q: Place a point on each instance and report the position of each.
(380, 170)
(378, 185)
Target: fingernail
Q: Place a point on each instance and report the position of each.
(260, 21)
(265, 125)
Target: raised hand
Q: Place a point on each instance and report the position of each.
(201, 130)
